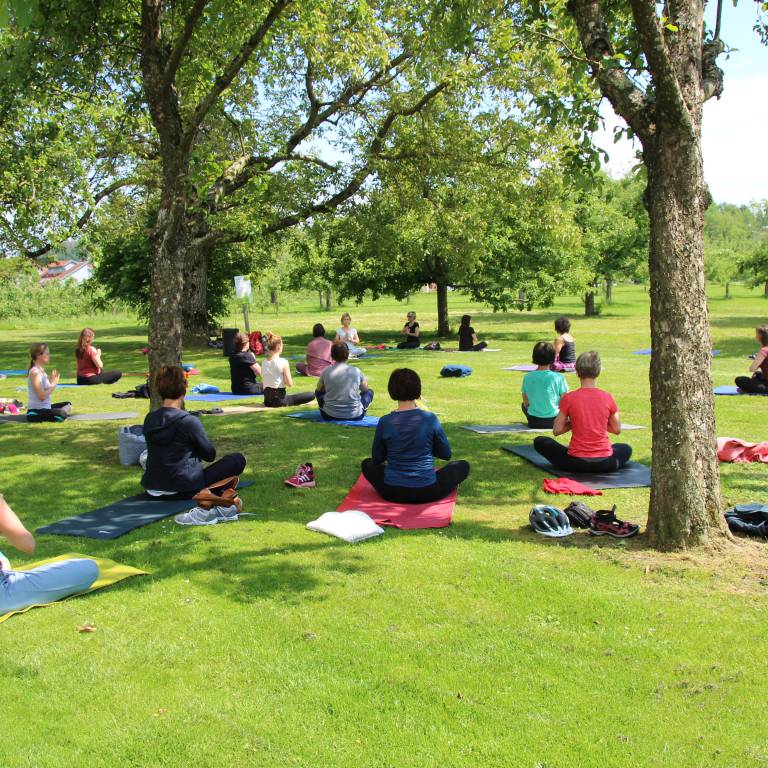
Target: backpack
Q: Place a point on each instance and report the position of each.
(579, 514)
(432, 346)
(456, 370)
(256, 343)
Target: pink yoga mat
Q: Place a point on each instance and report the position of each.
(437, 514)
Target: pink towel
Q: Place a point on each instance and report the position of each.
(362, 496)
(733, 449)
(566, 485)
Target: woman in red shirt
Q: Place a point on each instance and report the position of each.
(90, 369)
(589, 413)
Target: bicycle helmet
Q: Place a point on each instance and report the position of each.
(550, 521)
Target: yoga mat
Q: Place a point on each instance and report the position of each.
(22, 417)
(362, 496)
(110, 573)
(218, 397)
(366, 421)
(631, 475)
(485, 349)
(714, 353)
(493, 429)
(532, 367)
(14, 372)
(121, 517)
(732, 389)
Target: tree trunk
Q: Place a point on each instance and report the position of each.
(727, 290)
(685, 499)
(765, 290)
(442, 310)
(327, 298)
(608, 290)
(195, 296)
(320, 296)
(590, 310)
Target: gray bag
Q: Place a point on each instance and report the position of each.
(131, 444)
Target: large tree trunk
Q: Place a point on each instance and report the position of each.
(590, 310)
(195, 296)
(443, 327)
(685, 499)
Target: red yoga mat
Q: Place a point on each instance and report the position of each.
(362, 496)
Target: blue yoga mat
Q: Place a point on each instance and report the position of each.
(218, 397)
(714, 353)
(732, 389)
(366, 421)
(14, 372)
(121, 517)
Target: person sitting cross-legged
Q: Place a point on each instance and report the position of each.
(342, 392)
(401, 467)
(177, 445)
(318, 356)
(589, 413)
(41, 585)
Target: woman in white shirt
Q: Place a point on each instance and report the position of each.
(347, 334)
(276, 377)
(40, 388)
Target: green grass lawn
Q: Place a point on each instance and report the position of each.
(263, 644)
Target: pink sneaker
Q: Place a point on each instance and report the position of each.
(304, 477)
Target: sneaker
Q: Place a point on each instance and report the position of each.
(605, 523)
(304, 477)
(200, 516)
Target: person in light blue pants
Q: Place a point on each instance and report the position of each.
(45, 584)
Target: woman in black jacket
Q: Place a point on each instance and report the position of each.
(178, 445)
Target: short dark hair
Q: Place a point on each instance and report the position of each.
(466, 319)
(543, 353)
(339, 352)
(588, 365)
(762, 332)
(171, 382)
(562, 324)
(318, 329)
(404, 384)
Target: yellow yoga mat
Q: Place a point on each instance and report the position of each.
(110, 572)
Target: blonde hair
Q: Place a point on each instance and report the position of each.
(347, 316)
(35, 351)
(273, 341)
(84, 341)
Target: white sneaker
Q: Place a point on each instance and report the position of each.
(200, 516)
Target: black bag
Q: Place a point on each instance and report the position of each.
(432, 346)
(579, 514)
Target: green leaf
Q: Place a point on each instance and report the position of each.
(23, 12)
(672, 27)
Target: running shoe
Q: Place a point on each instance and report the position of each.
(212, 516)
(303, 478)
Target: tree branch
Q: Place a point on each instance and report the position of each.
(627, 99)
(172, 65)
(224, 80)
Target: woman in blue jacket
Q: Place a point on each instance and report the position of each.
(401, 467)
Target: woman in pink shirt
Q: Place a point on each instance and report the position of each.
(90, 369)
(758, 382)
(318, 353)
(588, 413)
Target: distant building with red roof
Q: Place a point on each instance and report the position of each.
(66, 269)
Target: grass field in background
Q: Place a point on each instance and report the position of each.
(262, 643)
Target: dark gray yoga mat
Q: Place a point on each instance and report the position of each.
(121, 517)
(631, 475)
(22, 417)
(495, 429)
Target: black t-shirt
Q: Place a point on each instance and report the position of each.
(411, 329)
(240, 372)
(466, 332)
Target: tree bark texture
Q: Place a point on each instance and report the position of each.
(443, 326)
(589, 304)
(608, 290)
(765, 290)
(685, 502)
(328, 298)
(195, 295)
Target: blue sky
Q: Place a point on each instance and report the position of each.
(733, 136)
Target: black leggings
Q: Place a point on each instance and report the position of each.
(410, 344)
(276, 398)
(756, 384)
(105, 377)
(559, 458)
(446, 479)
(248, 388)
(227, 466)
(57, 412)
(538, 422)
(475, 347)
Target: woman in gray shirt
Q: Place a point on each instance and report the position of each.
(342, 392)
